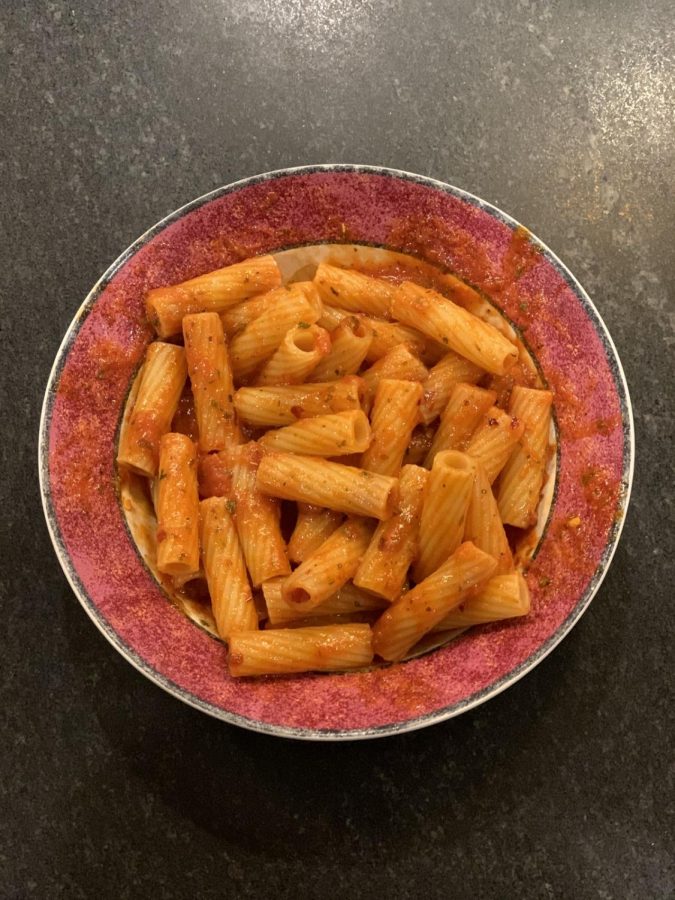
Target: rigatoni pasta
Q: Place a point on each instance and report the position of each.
(394, 545)
(298, 355)
(229, 588)
(494, 440)
(177, 507)
(269, 407)
(309, 479)
(261, 337)
(349, 345)
(161, 383)
(312, 527)
(257, 518)
(523, 475)
(418, 611)
(309, 415)
(446, 501)
(283, 651)
(210, 374)
(331, 565)
(213, 292)
(337, 434)
(395, 413)
(348, 600)
(445, 322)
(466, 407)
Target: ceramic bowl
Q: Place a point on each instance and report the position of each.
(371, 208)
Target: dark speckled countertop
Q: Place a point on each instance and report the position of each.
(114, 114)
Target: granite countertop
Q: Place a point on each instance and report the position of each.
(114, 115)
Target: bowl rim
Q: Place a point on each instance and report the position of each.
(297, 732)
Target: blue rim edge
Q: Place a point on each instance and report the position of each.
(423, 721)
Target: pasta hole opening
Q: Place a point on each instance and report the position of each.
(361, 430)
(299, 595)
(305, 341)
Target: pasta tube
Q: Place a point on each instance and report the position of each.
(394, 415)
(440, 382)
(399, 363)
(330, 566)
(349, 345)
(466, 407)
(393, 547)
(418, 611)
(161, 384)
(208, 365)
(266, 407)
(503, 597)
(328, 648)
(446, 501)
(238, 317)
(231, 598)
(494, 440)
(348, 600)
(301, 350)
(261, 337)
(445, 322)
(256, 516)
(351, 290)
(312, 527)
(212, 292)
(338, 434)
(523, 475)
(177, 507)
(387, 335)
(483, 523)
(322, 483)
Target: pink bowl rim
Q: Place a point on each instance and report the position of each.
(417, 722)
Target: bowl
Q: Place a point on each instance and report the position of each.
(296, 214)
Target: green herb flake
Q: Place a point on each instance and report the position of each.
(231, 506)
(304, 325)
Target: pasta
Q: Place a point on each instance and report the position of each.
(261, 337)
(348, 600)
(349, 345)
(399, 363)
(273, 406)
(208, 365)
(483, 524)
(331, 565)
(523, 475)
(394, 545)
(352, 291)
(213, 292)
(177, 507)
(159, 389)
(298, 355)
(337, 434)
(503, 597)
(494, 440)
(312, 527)
(257, 518)
(466, 407)
(446, 501)
(231, 597)
(395, 413)
(441, 380)
(363, 418)
(329, 648)
(447, 323)
(346, 489)
(418, 611)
